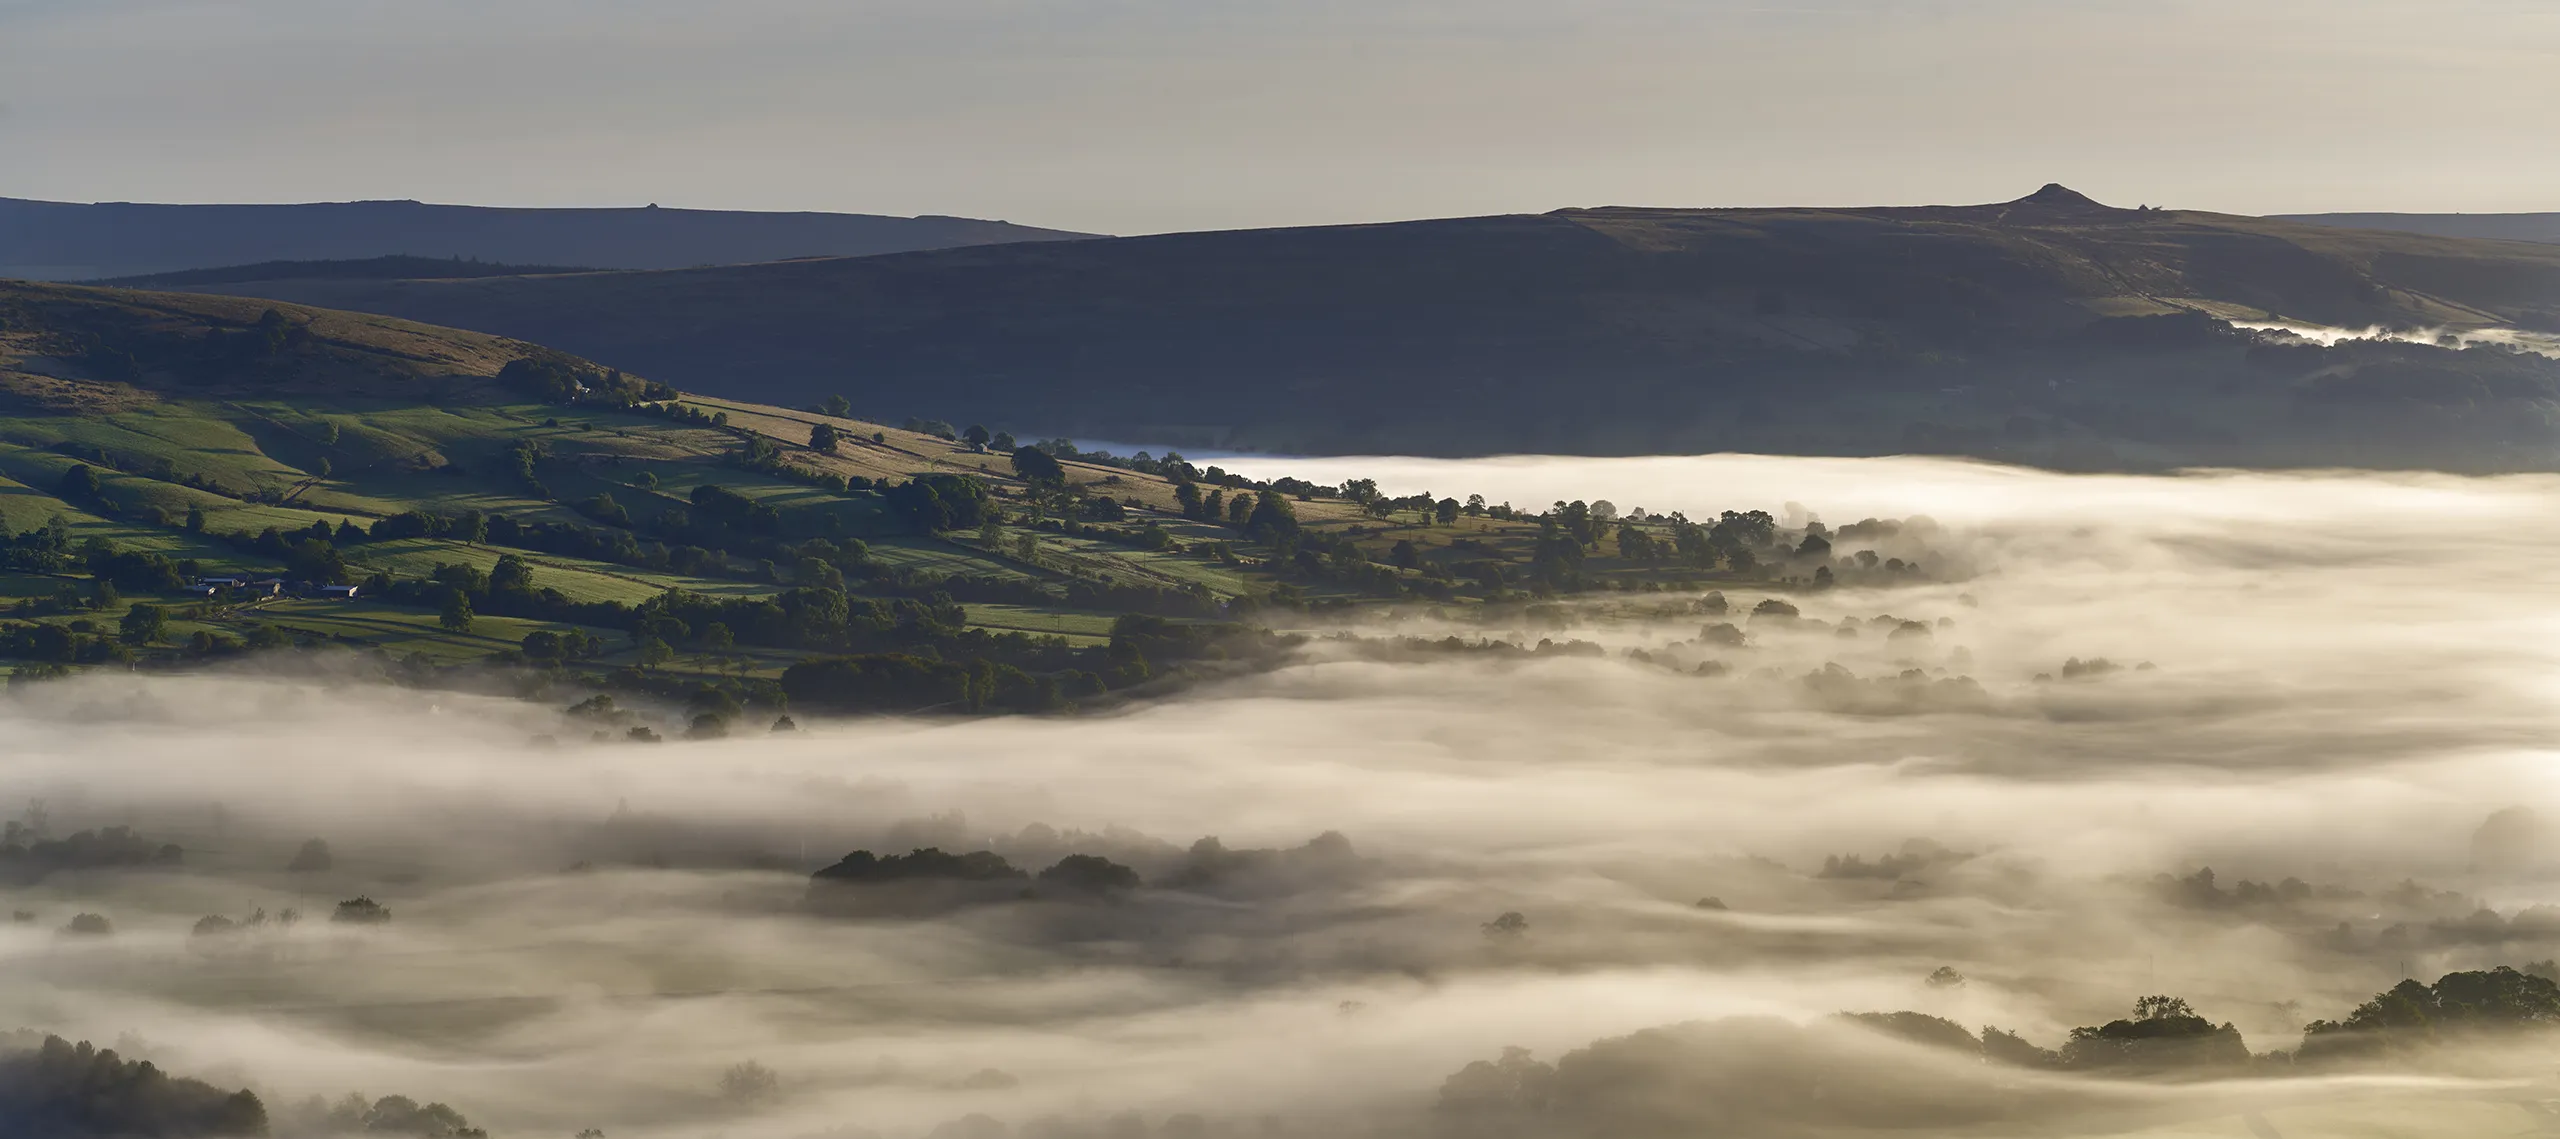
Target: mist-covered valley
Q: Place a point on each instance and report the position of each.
(2266, 745)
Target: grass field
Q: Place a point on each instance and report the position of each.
(1079, 627)
(384, 418)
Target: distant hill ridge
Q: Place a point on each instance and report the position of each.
(68, 241)
(394, 268)
(2542, 227)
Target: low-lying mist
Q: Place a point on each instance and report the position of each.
(1990, 793)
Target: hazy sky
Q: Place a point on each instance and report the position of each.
(1133, 116)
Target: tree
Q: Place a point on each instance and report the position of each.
(824, 438)
(512, 574)
(935, 502)
(817, 574)
(2413, 1014)
(361, 911)
(1003, 441)
(1508, 928)
(144, 624)
(313, 858)
(1446, 510)
(544, 646)
(1036, 466)
(456, 616)
(885, 682)
(837, 406)
(750, 1084)
(654, 652)
(1089, 874)
(195, 520)
(1404, 555)
(976, 435)
(79, 484)
(1272, 517)
(2164, 1032)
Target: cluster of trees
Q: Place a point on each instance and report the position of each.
(929, 878)
(867, 683)
(56, 1089)
(390, 1115)
(565, 381)
(62, 1090)
(934, 502)
(1141, 646)
(119, 347)
(1756, 1075)
(27, 857)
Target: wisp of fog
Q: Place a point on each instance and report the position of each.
(1666, 851)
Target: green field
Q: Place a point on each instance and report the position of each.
(374, 426)
(1078, 627)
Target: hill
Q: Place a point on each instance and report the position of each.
(2051, 329)
(2543, 227)
(391, 268)
(512, 515)
(69, 241)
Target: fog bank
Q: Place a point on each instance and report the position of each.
(2013, 769)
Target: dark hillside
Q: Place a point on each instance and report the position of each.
(390, 268)
(1601, 331)
(70, 241)
(2543, 227)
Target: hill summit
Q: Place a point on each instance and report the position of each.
(2055, 195)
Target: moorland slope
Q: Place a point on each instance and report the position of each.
(2051, 329)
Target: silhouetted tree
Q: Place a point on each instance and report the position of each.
(1034, 465)
(313, 858)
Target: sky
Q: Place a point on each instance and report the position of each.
(1136, 116)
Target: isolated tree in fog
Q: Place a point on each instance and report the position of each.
(361, 911)
(313, 858)
(750, 1084)
(823, 437)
